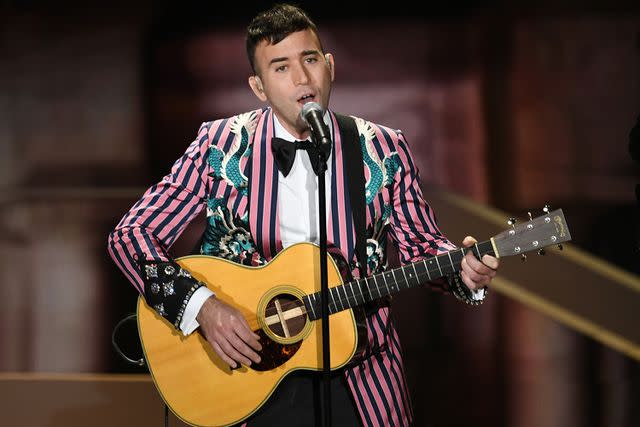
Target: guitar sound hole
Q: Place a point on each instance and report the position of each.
(285, 316)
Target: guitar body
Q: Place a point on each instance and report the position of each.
(197, 385)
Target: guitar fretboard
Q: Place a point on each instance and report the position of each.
(379, 285)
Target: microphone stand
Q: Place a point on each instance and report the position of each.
(312, 113)
(325, 412)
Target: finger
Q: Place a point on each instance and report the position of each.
(475, 266)
(475, 282)
(490, 262)
(244, 349)
(233, 352)
(248, 335)
(467, 281)
(220, 352)
(473, 276)
(469, 241)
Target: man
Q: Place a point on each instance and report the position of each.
(255, 209)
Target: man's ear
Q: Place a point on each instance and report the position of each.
(256, 86)
(328, 58)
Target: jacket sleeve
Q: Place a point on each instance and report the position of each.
(414, 230)
(139, 245)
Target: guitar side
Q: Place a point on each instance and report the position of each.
(196, 384)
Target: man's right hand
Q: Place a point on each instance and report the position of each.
(228, 333)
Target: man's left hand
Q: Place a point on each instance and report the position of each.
(477, 274)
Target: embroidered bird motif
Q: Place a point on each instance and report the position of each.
(227, 166)
(381, 172)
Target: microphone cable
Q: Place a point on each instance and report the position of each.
(139, 362)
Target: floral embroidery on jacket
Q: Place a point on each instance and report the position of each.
(228, 238)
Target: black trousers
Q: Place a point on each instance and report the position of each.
(297, 403)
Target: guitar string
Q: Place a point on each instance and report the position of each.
(428, 272)
(295, 304)
(424, 276)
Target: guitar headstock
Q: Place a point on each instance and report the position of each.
(533, 235)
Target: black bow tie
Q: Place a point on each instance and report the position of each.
(284, 153)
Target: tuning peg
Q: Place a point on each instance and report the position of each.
(546, 209)
(530, 217)
(541, 252)
(512, 222)
(560, 247)
(524, 257)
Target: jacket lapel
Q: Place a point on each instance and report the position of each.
(263, 190)
(340, 227)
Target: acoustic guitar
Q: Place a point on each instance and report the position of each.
(281, 302)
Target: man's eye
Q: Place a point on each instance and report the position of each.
(312, 60)
(281, 68)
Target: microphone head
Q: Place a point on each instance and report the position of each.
(309, 107)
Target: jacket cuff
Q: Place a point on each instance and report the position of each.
(168, 288)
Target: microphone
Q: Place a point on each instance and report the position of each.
(312, 115)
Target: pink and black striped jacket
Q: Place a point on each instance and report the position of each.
(229, 170)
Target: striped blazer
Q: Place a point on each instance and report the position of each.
(229, 170)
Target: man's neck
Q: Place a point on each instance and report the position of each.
(285, 131)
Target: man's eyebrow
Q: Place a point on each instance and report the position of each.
(303, 53)
(285, 58)
(278, 59)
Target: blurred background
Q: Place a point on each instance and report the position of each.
(508, 104)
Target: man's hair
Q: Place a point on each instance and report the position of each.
(274, 25)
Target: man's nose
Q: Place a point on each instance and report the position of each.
(300, 75)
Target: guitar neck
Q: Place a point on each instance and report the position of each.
(362, 291)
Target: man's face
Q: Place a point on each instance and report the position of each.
(290, 74)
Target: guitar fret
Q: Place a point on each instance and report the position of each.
(385, 283)
(339, 298)
(364, 299)
(478, 251)
(438, 262)
(395, 284)
(463, 253)
(376, 283)
(335, 307)
(417, 275)
(426, 268)
(312, 305)
(395, 279)
(404, 273)
(332, 290)
(366, 285)
(346, 296)
(353, 293)
(451, 261)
